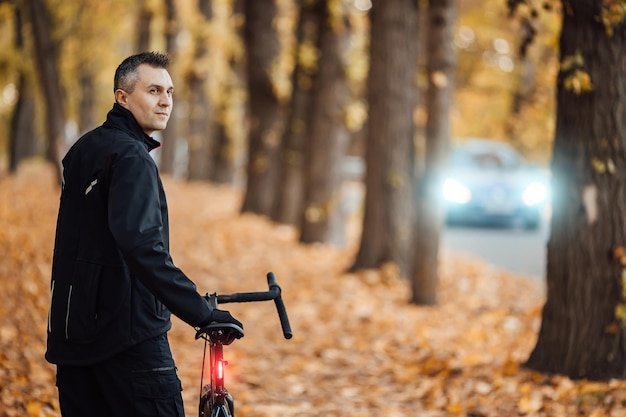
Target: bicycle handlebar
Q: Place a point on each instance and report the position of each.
(274, 293)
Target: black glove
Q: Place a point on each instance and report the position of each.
(223, 316)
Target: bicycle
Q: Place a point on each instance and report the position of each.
(215, 400)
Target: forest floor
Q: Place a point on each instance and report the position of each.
(359, 348)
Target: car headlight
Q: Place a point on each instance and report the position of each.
(535, 193)
(456, 192)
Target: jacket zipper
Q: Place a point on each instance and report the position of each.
(67, 313)
(50, 310)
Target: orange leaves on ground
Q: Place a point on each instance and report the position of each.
(359, 348)
(26, 210)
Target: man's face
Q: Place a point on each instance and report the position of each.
(151, 101)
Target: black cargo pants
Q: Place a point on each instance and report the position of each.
(139, 382)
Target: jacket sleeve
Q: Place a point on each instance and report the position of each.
(134, 212)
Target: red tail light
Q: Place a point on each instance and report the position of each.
(219, 369)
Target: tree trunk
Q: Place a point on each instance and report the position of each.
(144, 21)
(526, 80)
(224, 157)
(226, 154)
(22, 139)
(324, 220)
(200, 137)
(46, 54)
(583, 329)
(201, 112)
(170, 134)
(290, 193)
(86, 79)
(429, 209)
(392, 94)
(264, 108)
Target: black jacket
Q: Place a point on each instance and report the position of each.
(113, 280)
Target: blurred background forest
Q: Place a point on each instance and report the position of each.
(242, 71)
(497, 92)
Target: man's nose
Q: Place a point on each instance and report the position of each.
(165, 99)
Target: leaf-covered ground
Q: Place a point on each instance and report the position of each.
(359, 349)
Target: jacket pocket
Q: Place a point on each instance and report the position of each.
(158, 393)
(81, 315)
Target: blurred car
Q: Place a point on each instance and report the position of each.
(489, 183)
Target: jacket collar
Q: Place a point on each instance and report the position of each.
(121, 118)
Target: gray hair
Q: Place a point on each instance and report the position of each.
(126, 74)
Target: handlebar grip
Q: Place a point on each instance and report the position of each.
(280, 306)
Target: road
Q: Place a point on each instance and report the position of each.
(519, 251)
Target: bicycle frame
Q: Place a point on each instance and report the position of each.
(215, 401)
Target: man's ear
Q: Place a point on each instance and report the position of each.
(121, 97)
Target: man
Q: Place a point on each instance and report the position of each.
(113, 280)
